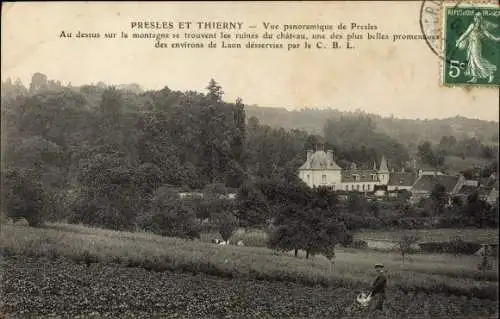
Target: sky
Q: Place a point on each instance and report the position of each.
(382, 77)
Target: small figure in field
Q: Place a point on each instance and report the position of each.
(377, 293)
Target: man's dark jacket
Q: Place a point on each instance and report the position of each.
(379, 285)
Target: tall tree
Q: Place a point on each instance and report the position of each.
(309, 222)
(39, 82)
(215, 92)
(439, 198)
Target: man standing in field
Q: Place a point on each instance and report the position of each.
(378, 291)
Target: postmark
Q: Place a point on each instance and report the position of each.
(471, 44)
(430, 24)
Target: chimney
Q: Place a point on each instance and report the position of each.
(309, 154)
(330, 155)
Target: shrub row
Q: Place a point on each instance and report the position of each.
(452, 247)
(359, 244)
(354, 221)
(398, 222)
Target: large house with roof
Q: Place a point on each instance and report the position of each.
(320, 169)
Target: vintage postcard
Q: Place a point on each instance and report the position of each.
(258, 159)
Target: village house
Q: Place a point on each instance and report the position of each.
(320, 169)
(401, 181)
(486, 188)
(425, 184)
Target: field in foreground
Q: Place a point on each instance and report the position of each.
(40, 287)
(424, 281)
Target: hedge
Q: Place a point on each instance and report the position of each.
(452, 247)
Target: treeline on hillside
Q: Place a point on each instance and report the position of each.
(61, 133)
(435, 156)
(358, 134)
(118, 158)
(408, 132)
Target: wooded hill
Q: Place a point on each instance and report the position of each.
(118, 157)
(410, 132)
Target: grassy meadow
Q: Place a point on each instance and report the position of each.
(455, 275)
(250, 237)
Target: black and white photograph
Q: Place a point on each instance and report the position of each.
(254, 159)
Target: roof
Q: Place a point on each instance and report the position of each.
(467, 190)
(402, 179)
(486, 181)
(484, 191)
(426, 183)
(426, 167)
(383, 165)
(420, 165)
(365, 175)
(320, 160)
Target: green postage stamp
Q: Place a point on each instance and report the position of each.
(471, 44)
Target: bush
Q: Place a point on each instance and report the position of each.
(94, 213)
(346, 239)
(175, 222)
(359, 244)
(172, 220)
(456, 246)
(23, 197)
(208, 227)
(227, 224)
(455, 222)
(405, 223)
(356, 221)
(412, 222)
(57, 206)
(251, 237)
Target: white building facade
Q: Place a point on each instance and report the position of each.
(320, 169)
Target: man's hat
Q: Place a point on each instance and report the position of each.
(377, 266)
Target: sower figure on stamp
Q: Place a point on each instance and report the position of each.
(378, 291)
(477, 65)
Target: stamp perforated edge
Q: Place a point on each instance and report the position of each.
(441, 19)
